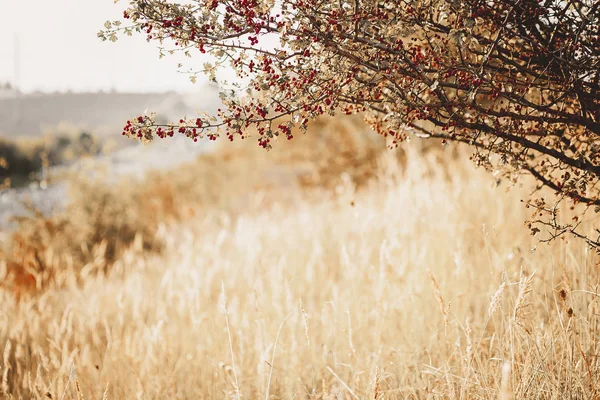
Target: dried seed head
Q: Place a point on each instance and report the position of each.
(305, 320)
(376, 383)
(495, 299)
(563, 294)
(78, 389)
(445, 309)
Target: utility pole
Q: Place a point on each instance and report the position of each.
(17, 61)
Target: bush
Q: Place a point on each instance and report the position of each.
(24, 158)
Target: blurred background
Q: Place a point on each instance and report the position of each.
(65, 95)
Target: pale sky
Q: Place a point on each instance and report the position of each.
(60, 50)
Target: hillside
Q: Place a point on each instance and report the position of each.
(104, 113)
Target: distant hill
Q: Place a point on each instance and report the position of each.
(100, 112)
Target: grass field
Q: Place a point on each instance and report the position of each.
(332, 269)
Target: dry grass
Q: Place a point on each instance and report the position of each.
(422, 284)
(103, 218)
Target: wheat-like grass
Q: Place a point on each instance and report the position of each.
(202, 317)
(6, 367)
(105, 393)
(525, 288)
(444, 307)
(377, 395)
(305, 321)
(78, 390)
(496, 299)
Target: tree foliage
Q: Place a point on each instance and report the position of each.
(516, 79)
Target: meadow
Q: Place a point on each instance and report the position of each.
(329, 268)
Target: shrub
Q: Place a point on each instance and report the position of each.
(24, 158)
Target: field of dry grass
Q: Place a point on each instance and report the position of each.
(332, 269)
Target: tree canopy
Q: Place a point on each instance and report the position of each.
(516, 79)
